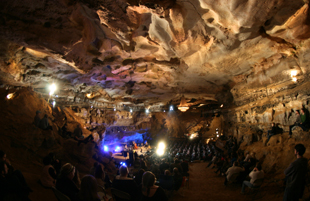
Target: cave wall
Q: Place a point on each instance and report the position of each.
(257, 105)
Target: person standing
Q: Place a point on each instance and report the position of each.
(296, 175)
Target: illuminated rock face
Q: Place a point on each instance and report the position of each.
(148, 53)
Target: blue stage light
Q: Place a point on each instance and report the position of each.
(105, 148)
(117, 148)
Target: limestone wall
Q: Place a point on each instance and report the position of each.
(257, 108)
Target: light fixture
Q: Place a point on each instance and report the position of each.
(10, 96)
(114, 109)
(147, 111)
(130, 110)
(222, 105)
(52, 89)
(183, 105)
(217, 135)
(171, 108)
(54, 103)
(88, 95)
(293, 75)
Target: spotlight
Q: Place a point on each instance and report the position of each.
(217, 135)
(130, 110)
(123, 164)
(160, 152)
(161, 145)
(117, 148)
(54, 103)
(293, 75)
(171, 108)
(9, 96)
(222, 105)
(105, 148)
(52, 89)
(147, 111)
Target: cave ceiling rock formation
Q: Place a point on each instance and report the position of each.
(149, 53)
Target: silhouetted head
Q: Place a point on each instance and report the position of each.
(259, 166)
(300, 149)
(67, 170)
(123, 171)
(167, 173)
(89, 188)
(148, 180)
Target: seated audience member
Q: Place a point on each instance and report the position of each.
(17, 175)
(10, 184)
(257, 173)
(48, 175)
(89, 189)
(185, 167)
(55, 162)
(151, 192)
(138, 177)
(123, 183)
(271, 132)
(176, 164)
(304, 120)
(231, 171)
(65, 183)
(37, 119)
(178, 179)
(78, 135)
(301, 121)
(93, 169)
(99, 175)
(166, 181)
(44, 123)
(163, 166)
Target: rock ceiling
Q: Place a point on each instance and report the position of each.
(151, 53)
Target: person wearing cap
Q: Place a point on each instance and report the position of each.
(65, 183)
(37, 118)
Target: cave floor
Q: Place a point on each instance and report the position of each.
(204, 184)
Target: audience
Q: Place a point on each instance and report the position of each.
(138, 177)
(99, 175)
(151, 192)
(235, 169)
(48, 175)
(65, 182)
(257, 173)
(89, 189)
(296, 175)
(166, 181)
(271, 132)
(37, 119)
(44, 123)
(123, 183)
(12, 184)
(178, 179)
